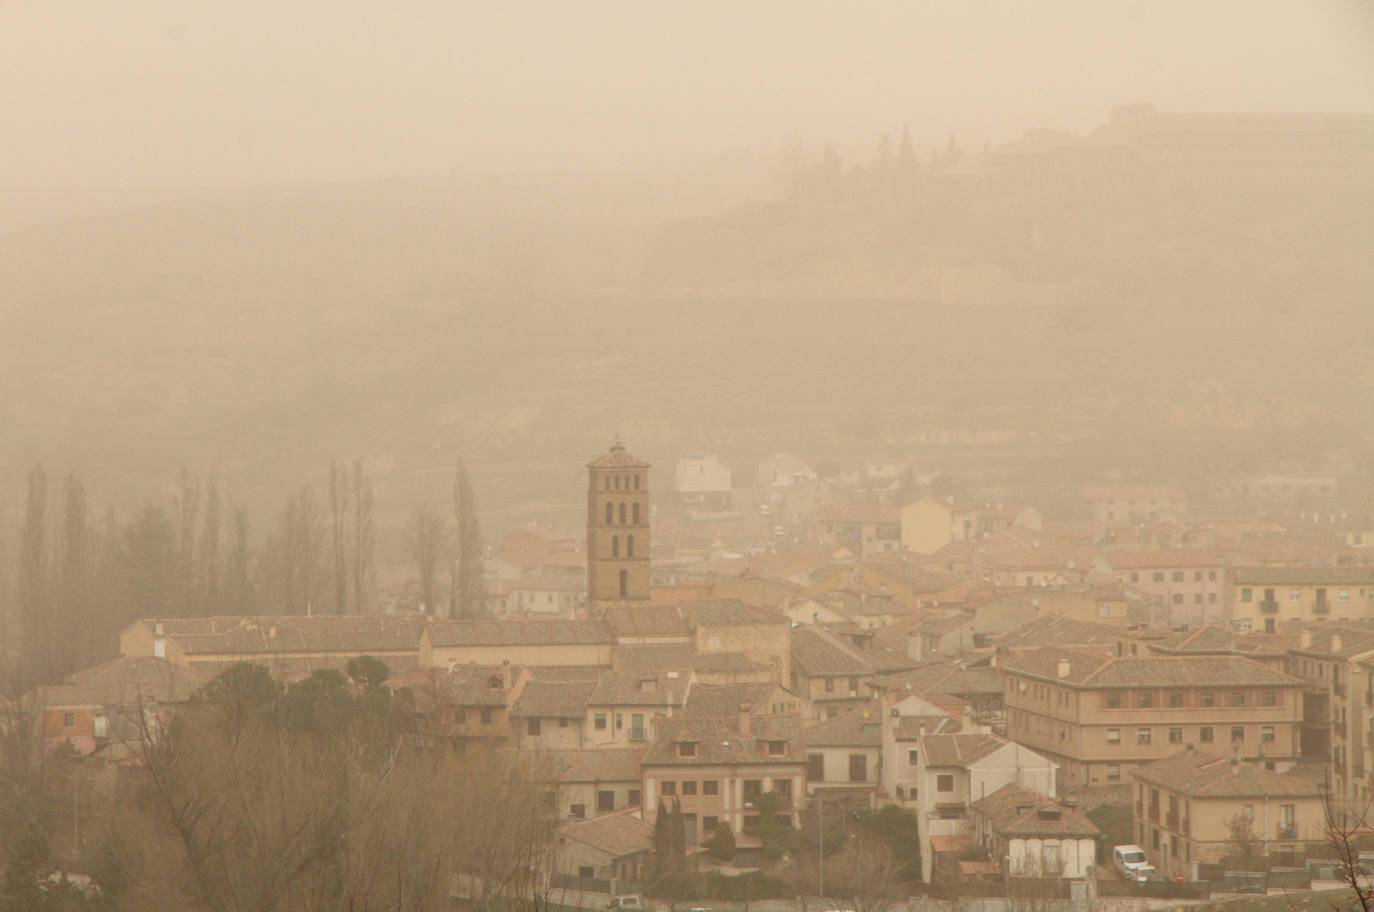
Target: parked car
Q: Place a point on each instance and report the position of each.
(628, 901)
(1127, 858)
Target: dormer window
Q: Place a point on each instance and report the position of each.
(777, 748)
(686, 748)
(494, 682)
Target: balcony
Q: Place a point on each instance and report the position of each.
(1286, 831)
(1171, 821)
(1321, 606)
(1269, 606)
(1154, 815)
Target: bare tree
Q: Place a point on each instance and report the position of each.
(33, 582)
(211, 597)
(238, 587)
(1245, 842)
(867, 874)
(338, 513)
(465, 600)
(188, 509)
(426, 536)
(363, 537)
(1346, 827)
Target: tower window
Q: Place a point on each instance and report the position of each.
(629, 546)
(624, 583)
(608, 482)
(617, 482)
(622, 514)
(610, 513)
(636, 514)
(636, 482)
(615, 546)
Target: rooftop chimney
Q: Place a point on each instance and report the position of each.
(744, 720)
(1063, 669)
(505, 674)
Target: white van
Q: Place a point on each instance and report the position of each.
(1127, 859)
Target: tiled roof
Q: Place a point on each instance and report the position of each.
(554, 699)
(1056, 630)
(1167, 557)
(1304, 576)
(137, 679)
(959, 750)
(670, 657)
(618, 835)
(913, 728)
(620, 688)
(818, 652)
(724, 663)
(1019, 811)
(719, 741)
(723, 612)
(1345, 641)
(1194, 773)
(860, 727)
(647, 620)
(617, 458)
(1085, 670)
(719, 701)
(461, 685)
(248, 636)
(604, 765)
(518, 633)
(947, 677)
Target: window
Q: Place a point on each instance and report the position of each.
(532, 726)
(636, 482)
(777, 748)
(578, 810)
(610, 514)
(1212, 575)
(632, 798)
(617, 482)
(911, 757)
(753, 788)
(1342, 595)
(69, 720)
(858, 768)
(1206, 698)
(668, 787)
(829, 685)
(599, 721)
(944, 782)
(710, 787)
(1175, 698)
(1175, 736)
(1237, 698)
(1287, 827)
(1144, 700)
(624, 583)
(687, 749)
(1178, 598)
(1178, 576)
(605, 801)
(1113, 736)
(622, 514)
(709, 824)
(636, 514)
(1295, 595)
(1113, 771)
(486, 717)
(615, 546)
(1197, 576)
(1268, 698)
(1197, 598)
(1205, 734)
(629, 546)
(1113, 701)
(1237, 732)
(637, 727)
(1142, 736)
(1155, 839)
(585, 870)
(689, 787)
(1211, 598)
(460, 717)
(1247, 594)
(1135, 576)
(782, 787)
(619, 721)
(1267, 733)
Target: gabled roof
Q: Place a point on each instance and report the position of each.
(860, 727)
(518, 633)
(266, 634)
(647, 620)
(816, 651)
(1019, 811)
(914, 728)
(663, 657)
(597, 765)
(554, 699)
(1198, 774)
(1304, 576)
(628, 688)
(721, 701)
(946, 677)
(724, 612)
(959, 750)
(719, 741)
(1056, 630)
(618, 835)
(1086, 670)
(138, 679)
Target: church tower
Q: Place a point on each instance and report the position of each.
(617, 530)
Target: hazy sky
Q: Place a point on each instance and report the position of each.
(165, 93)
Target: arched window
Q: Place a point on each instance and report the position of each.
(607, 481)
(624, 583)
(629, 546)
(636, 514)
(610, 513)
(622, 514)
(636, 482)
(617, 482)
(615, 546)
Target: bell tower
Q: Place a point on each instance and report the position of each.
(617, 530)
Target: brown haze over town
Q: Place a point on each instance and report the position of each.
(287, 289)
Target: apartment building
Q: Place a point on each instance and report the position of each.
(1100, 716)
(1336, 663)
(1190, 582)
(1262, 597)
(1184, 805)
